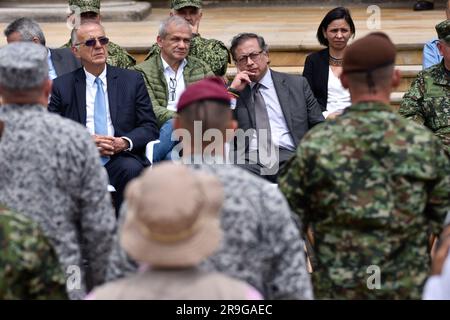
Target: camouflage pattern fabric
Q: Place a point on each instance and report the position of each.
(428, 102)
(117, 56)
(213, 52)
(86, 5)
(29, 268)
(372, 185)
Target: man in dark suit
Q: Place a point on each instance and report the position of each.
(112, 103)
(60, 61)
(274, 109)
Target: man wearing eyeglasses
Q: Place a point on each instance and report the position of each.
(89, 10)
(168, 74)
(213, 52)
(277, 109)
(111, 102)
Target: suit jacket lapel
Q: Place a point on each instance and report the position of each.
(283, 94)
(111, 78)
(80, 93)
(56, 60)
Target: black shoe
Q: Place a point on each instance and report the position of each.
(423, 5)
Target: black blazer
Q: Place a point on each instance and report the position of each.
(131, 110)
(300, 108)
(316, 71)
(64, 61)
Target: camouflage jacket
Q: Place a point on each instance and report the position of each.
(213, 52)
(428, 102)
(117, 56)
(372, 185)
(29, 267)
(153, 73)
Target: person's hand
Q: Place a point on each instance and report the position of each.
(120, 145)
(334, 115)
(104, 144)
(241, 80)
(441, 253)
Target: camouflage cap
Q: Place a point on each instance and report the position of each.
(443, 30)
(86, 5)
(178, 4)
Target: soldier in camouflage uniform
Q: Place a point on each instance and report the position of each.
(213, 52)
(90, 10)
(371, 184)
(428, 100)
(29, 268)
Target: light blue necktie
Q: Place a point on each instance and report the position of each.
(100, 124)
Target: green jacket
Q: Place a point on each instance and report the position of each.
(29, 268)
(117, 56)
(428, 102)
(153, 73)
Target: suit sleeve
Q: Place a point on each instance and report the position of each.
(312, 106)
(55, 100)
(146, 128)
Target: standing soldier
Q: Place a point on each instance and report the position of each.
(371, 184)
(89, 10)
(428, 100)
(213, 52)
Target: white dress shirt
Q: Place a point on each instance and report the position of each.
(51, 68)
(169, 73)
(438, 287)
(281, 136)
(338, 96)
(91, 91)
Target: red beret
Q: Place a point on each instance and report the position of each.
(209, 88)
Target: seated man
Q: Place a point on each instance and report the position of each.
(282, 105)
(428, 100)
(89, 10)
(60, 61)
(167, 75)
(213, 52)
(431, 54)
(112, 103)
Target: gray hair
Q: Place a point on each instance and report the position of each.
(27, 28)
(241, 37)
(177, 20)
(23, 66)
(73, 33)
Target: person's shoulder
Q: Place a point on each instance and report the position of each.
(69, 76)
(212, 44)
(319, 54)
(194, 62)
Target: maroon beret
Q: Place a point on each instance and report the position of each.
(369, 53)
(211, 88)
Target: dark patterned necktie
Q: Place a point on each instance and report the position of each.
(261, 118)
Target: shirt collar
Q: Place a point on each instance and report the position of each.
(369, 106)
(90, 78)
(266, 81)
(166, 66)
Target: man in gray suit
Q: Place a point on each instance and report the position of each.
(60, 61)
(273, 109)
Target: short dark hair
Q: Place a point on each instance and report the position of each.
(241, 37)
(334, 14)
(212, 113)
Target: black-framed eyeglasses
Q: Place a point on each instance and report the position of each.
(253, 56)
(91, 42)
(172, 88)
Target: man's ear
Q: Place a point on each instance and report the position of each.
(396, 78)
(344, 80)
(75, 51)
(159, 41)
(36, 40)
(440, 48)
(176, 122)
